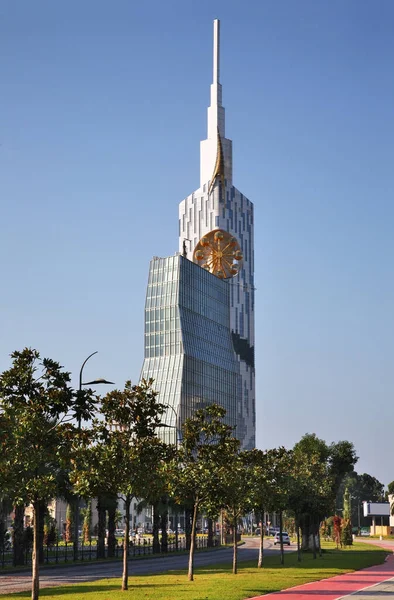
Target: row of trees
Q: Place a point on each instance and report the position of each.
(117, 453)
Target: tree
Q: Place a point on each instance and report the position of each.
(271, 483)
(281, 487)
(121, 453)
(362, 487)
(236, 477)
(195, 473)
(324, 466)
(346, 535)
(38, 407)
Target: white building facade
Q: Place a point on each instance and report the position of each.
(218, 204)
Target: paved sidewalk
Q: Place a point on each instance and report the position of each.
(372, 583)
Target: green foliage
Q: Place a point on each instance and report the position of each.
(346, 533)
(37, 406)
(318, 471)
(347, 506)
(120, 454)
(362, 488)
(197, 475)
(390, 488)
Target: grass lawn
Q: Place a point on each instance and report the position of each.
(218, 583)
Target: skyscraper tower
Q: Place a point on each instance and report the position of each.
(218, 206)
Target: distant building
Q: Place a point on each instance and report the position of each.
(218, 204)
(199, 318)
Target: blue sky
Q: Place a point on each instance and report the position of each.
(103, 107)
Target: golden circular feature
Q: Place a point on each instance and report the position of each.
(219, 253)
(199, 254)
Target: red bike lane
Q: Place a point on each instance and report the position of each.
(340, 585)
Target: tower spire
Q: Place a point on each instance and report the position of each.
(216, 51)
(216, 110)
(216, 135)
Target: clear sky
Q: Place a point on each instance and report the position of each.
(103, 106)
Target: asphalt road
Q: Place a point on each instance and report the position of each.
(55, 576)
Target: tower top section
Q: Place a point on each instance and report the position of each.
(216, 51)
(216, 122)
(216, 110)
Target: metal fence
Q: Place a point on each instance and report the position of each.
(63, 552)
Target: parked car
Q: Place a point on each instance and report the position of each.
(364, 532)
(180, 530)
(119, 533)
(257, 531)
(285, 538)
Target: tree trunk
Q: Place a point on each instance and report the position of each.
(261, 545)
(101, 527)
(299, 556)
(235, 546)
(175, 513)
(282, 554)
(190, 574)
(42, 510)
(125, 574)
(188, 530)
(318, 540)
(2, 532)
(314, 538)
(18, 537)
(75, 533)
(163, 523)
(210, 534)
(35, 581)
(156, 526)
(111, 539)
(305, 524)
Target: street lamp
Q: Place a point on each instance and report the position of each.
(76, 516)
(175, 412)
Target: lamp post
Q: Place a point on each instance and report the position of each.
(175, 412)
(76, 516)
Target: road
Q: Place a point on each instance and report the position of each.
(55, 576)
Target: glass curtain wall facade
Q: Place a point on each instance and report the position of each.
(188, 346)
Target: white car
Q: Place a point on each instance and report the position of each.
(285, 538)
